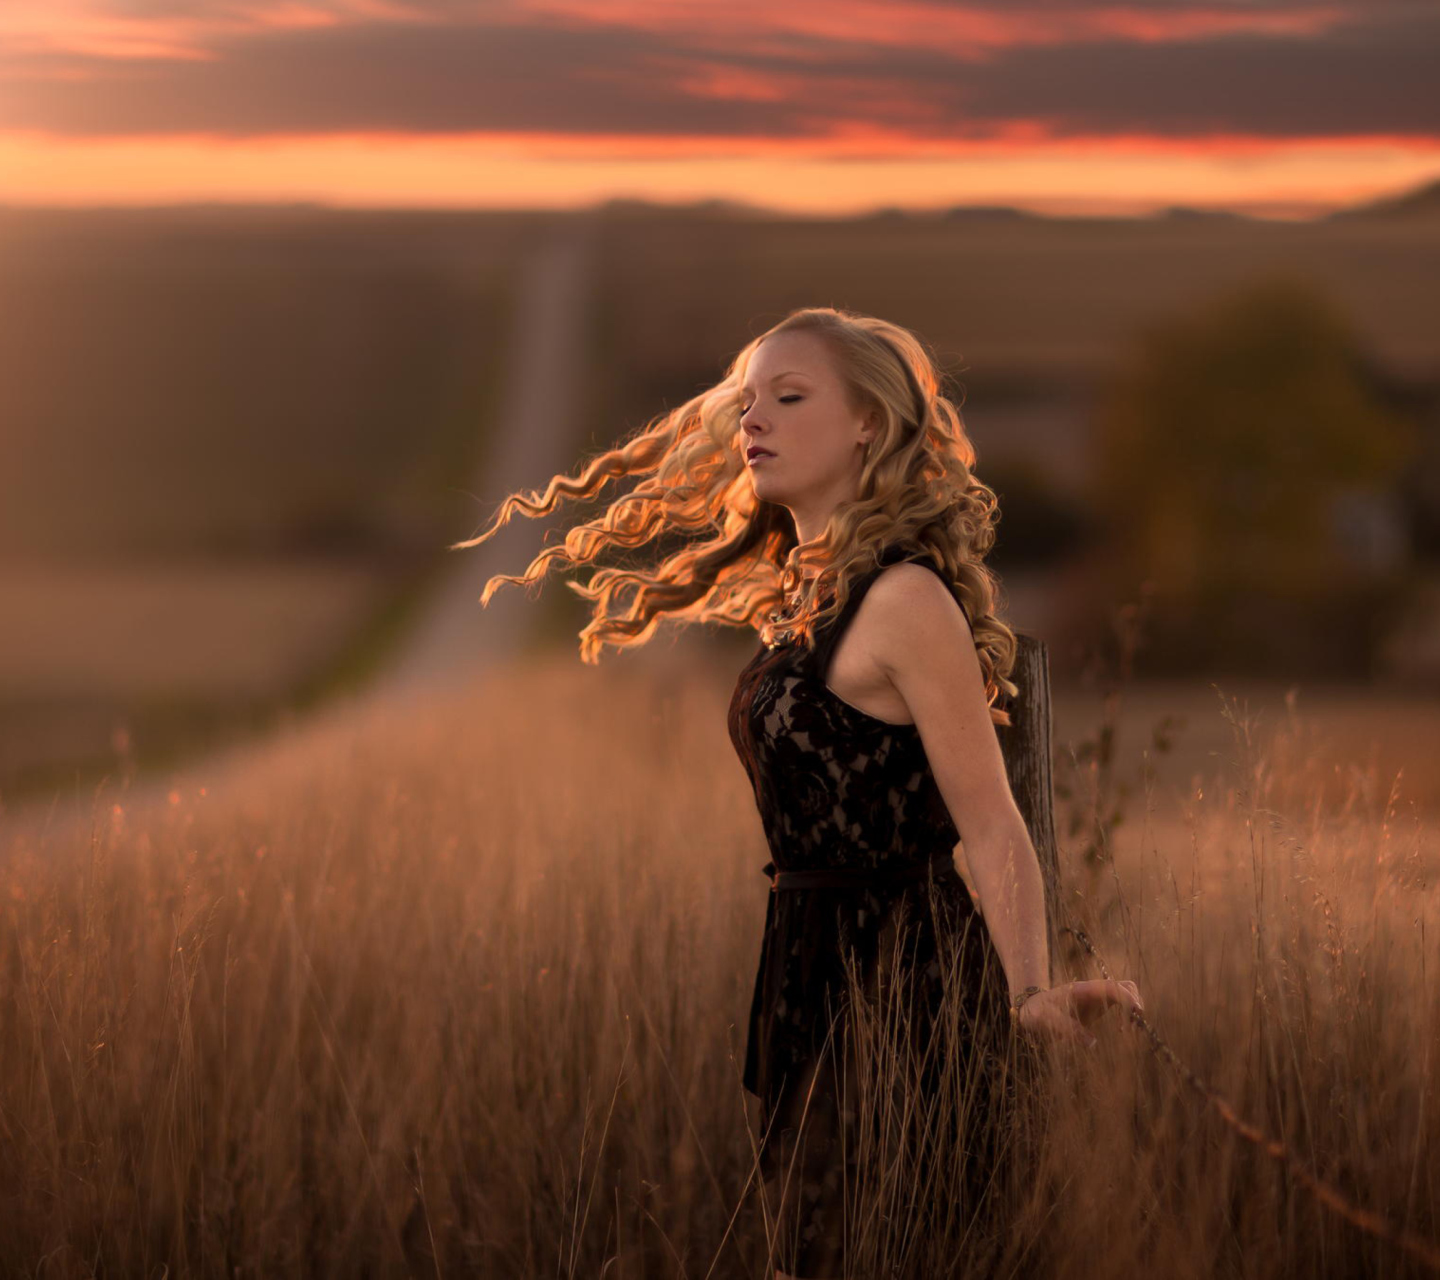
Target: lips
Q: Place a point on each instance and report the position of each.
(755, 451)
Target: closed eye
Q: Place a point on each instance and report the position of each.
(783, 400)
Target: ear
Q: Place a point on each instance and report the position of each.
(870, 429)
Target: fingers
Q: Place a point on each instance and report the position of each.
(1132, 994)
(1092, 996)
(1065, 1020)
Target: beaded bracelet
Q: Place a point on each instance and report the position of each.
(1020, 997)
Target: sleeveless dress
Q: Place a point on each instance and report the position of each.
(863, 876)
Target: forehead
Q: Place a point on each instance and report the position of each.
(764, 379)
(795, 355)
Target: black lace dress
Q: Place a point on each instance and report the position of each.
(863, 871)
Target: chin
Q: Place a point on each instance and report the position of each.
(766, 492)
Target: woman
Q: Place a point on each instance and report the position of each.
(827, 474)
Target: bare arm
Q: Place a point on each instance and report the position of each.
(928, 652)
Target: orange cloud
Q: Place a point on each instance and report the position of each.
(94, 29)
(978, 29)
(97, 29)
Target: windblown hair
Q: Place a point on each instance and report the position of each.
(737, 556)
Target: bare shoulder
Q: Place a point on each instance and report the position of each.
(918, 624)
(919, 611)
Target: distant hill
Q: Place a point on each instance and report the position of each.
(1422, 202)
(1188, 213)
(988, 213)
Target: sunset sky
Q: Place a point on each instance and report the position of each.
(833, 106)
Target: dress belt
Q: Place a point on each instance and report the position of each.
(858, 877)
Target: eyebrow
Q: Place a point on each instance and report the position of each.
(789, 373)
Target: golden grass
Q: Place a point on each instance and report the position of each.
(1354, 738)
(466, 981)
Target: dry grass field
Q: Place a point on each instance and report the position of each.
(175, 628)
(242, 384)
(460, 990)
(91, 648)
(1012, 306)
(233, 445)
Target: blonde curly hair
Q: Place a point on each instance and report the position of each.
(738, 556)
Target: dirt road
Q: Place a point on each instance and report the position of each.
(534, 438)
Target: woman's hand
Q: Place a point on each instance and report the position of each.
(1062, 1013)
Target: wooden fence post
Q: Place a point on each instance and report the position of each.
(1025, 745)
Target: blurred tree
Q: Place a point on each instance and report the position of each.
(1229, 456)
(1039, 525)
